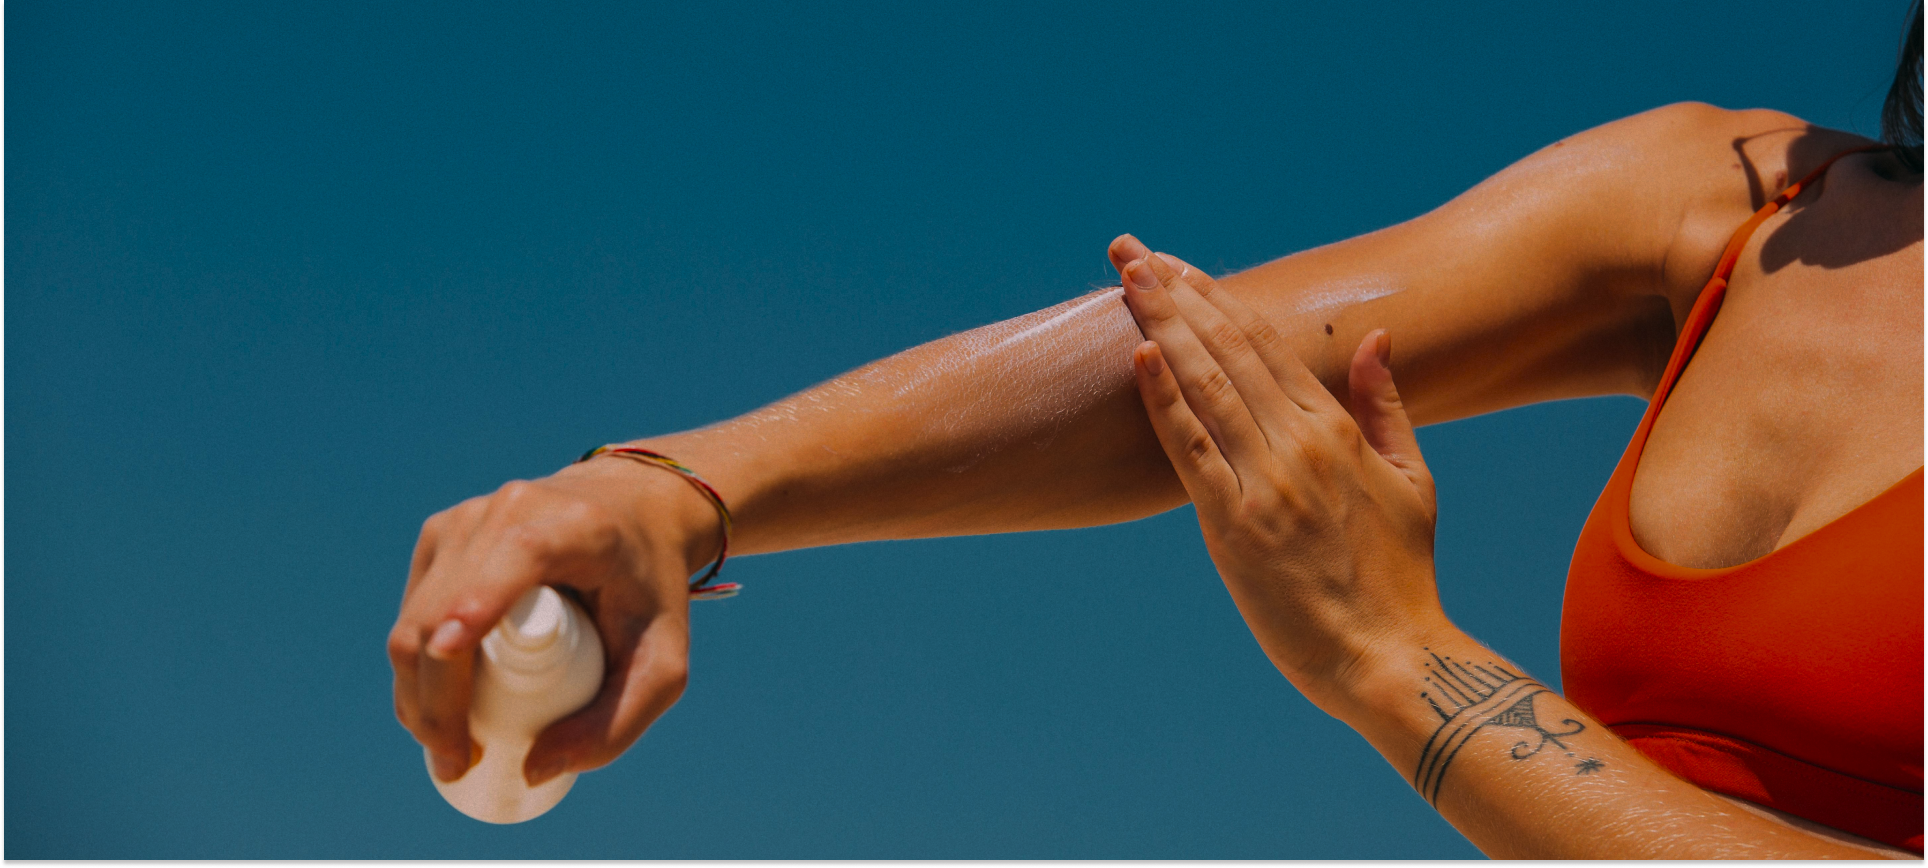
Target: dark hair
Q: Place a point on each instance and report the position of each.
(1901, 114)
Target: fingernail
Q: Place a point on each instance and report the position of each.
(442, 644)
(1136, 248)
(1176, 265)
(1154, 361)
(1140, 274)
(1384, 349)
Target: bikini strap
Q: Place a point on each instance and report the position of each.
(1733, 252)
(1708, 303)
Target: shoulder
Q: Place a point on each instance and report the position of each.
(1694, 145)
(1708, 169)
(1618, 199)
(1669, 185)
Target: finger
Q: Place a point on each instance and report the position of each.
(1206, 386)
(404, 646)
(444, 686)
(638, 688)
(1381, 414)
(1293, 377)
(444, 670)
(424, 553)
(404, 640)
(1124, 250)
(411, 631)
(1201, 467)
(1275, 414)
(440, 531)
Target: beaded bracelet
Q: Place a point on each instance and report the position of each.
(700, 589)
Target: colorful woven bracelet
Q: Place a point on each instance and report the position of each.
(701, 589)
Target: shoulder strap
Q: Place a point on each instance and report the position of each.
(1733, 252)
(1711, 295)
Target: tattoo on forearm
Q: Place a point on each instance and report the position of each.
(1469, 698)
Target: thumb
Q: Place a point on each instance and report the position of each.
(1380, 413)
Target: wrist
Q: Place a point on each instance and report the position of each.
(661, 506)
(1383, 687)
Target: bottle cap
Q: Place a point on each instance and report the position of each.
(535, 620)
(526, 639)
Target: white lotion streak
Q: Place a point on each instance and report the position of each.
(987, 388)
(1062, 318)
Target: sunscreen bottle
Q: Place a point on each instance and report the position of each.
(541, 663)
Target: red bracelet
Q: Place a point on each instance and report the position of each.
(700, 589)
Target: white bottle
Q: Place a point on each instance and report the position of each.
(541, 663)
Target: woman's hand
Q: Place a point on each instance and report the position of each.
(1320, 525)
(623, 536)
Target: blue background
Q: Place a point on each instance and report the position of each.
(283, 279)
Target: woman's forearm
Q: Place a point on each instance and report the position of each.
(1026, 424)
(1522, 773)
(1035, 423)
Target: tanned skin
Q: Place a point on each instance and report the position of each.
(1565, 275)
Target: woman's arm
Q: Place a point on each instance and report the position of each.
(1321, 523)
(1549, 280)
(1522, 773)
(1562, 276)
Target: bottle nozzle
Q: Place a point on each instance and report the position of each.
(535, 620)
(536, 635)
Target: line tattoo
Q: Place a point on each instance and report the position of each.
(1476, 697)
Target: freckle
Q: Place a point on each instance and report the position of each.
(1328, 328)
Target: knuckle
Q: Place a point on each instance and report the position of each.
(675, 679)
(1262, 335)
(1213, 387)
(1258, 505)
(1168, 397)
(436, 731)
(516, 492)
(1198, 447)
(1225, 333)
(1315, 455)
(1340, 429)
(404, 644)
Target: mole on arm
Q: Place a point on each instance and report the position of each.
(1328, 328)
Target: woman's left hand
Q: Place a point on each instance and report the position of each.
(1321, 526)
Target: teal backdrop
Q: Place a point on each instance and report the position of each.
(284, 279)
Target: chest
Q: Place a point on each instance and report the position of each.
(1803, 402)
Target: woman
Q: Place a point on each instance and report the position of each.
(1268, 399)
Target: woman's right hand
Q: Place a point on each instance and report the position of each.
(624, 536)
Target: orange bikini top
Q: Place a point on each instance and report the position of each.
(1792, 681)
